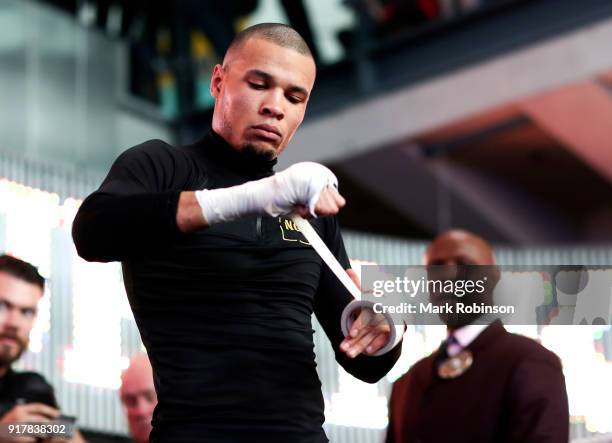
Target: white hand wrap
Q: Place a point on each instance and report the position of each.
(353, 309)
(300, 184)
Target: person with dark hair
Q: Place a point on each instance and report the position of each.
(22, 270)
(221, 282)
(25, 397)
(483, 384)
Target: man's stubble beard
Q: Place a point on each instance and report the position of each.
(248, 148)
(252, 150)
(6, 358)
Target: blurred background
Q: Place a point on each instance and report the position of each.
(490, 115)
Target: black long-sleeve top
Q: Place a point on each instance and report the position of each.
(224, 312)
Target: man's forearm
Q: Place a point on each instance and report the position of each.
(112, 227)
(189, 214)
(309, 186)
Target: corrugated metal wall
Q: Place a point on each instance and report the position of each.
(98, 407)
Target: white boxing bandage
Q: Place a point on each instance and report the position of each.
(353, 309)
(300, 184)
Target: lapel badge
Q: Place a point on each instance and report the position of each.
(453, 367)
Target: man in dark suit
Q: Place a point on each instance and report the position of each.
(504, 387)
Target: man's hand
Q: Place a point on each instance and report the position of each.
(305, 184)
(329, 203)
(28, 413)
(306, 188)
(369, 332)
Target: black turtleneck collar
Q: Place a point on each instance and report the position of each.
(246, 163)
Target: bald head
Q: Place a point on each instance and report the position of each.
(459, 247)
(139, 367)
(138, 397)
(277, 33)
(452, 256)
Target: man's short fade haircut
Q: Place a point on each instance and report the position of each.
(277, 33)
(22, 270)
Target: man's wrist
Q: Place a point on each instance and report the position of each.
(258, 197)
(189, 214)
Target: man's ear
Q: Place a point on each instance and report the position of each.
(216, 80)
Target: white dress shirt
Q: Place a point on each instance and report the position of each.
(464, 336)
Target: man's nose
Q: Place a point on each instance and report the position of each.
(273, 105)
(12, 320)
(142, 408)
